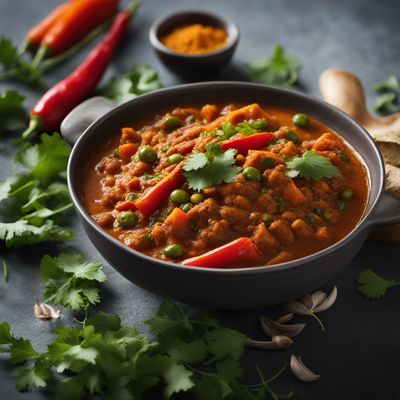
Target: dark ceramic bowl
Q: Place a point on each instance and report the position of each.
(231, 288)
(192, 64)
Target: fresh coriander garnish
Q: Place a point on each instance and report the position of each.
(71, 281)
(373, 286)
(227, 131)
(389, 90)
(252, 126)
(139, 80)
(280, 69)
(12, 113)
(313, 166)
(210, 168)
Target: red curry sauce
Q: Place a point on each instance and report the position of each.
(265, 214)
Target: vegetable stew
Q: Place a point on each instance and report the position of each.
(226, 185)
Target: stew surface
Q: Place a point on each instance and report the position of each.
(229, 185)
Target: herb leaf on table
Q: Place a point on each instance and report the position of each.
(71, 281)
(388, 100)
(139, 80)
(373, 286)
(280, 69)
(313, 166)
(210, 168)
(12, 113)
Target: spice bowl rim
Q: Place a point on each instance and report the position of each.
(227, 25)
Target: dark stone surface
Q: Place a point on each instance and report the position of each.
(357, 353)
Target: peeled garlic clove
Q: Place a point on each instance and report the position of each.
(45, 312)
(296, 307)
(285, 318)
(317, 298)
(328, 302)
(275, 328)
(301, 372)
(277, 343)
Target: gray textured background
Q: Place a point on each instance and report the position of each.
(358, 353)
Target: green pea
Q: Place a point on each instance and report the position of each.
(172, 123)
(252, 174)
(179, 196)
(327, 215)
(132, 197)
(341, 204)
(343, 156)
(116, 153)
(300, 120)
(175, 158)
(267, 219)
(147, 154)
(196, 198)
(174, 251)
(346, 194)
(190, 119)
(267, 162)
(290, 135)
(128, 219)
(186, 207)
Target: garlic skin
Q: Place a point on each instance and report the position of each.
(45, 312)
(301, 372)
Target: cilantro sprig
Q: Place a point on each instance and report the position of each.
(104, 358)
(210, 168)
(71, 281)
(389, 94)
(12, 113)
(313, 166)
(33, 202)
(280, 69)
(373, 286)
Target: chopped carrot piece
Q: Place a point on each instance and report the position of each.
(178, 219)
(126, 151)
(293, 194)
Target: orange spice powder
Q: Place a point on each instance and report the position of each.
(195, 39)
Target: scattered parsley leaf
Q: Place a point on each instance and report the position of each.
(389, 84)
(177, 379)
(34, 376)
(373, 286)
(280, 69)
(139, 80)
(226, 342)
(211, 168)
(313, 166)
(70, 280)
(12, 113)
(8, 53)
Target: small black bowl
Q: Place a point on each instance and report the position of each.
(193, 64)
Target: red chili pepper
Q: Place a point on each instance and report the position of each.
(245, 143)
(74, 24)
(238, 250)
(57, 102)
(156, 196)
(126, 206)
(36, 34)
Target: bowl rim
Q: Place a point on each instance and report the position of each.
(362, 224)
(229, 27)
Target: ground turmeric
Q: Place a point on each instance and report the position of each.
(195, 39)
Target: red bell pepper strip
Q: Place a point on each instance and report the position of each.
(156, 196)
(245, 143)
(126, 206)
(57, 102)
(36, 34)
(74, 24)
(238, 250)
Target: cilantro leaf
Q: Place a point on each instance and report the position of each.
(139, 80)
(36, 376)
(227, 131)
(253, 126)
(389, 84)
(386, 102)
(212, 168)
(280, 69)
(12, 113)
(70, 280)
(46, 160)
(177, 379)
(313, 166)
(8, 53)
(20, 233)
(224, 342)
(373, 286)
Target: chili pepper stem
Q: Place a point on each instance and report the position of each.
(52, 62)
(23, 48)
(132, 6)
(42, 52)
(34, 124)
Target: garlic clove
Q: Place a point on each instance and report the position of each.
(296, 307)
(328, 302)
(45, 312)
(301, 372)
(285, 318)
(274, 328)
(317, 298)
(277, 343)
